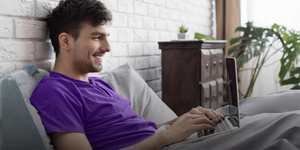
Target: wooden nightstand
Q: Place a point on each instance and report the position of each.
(192, 74)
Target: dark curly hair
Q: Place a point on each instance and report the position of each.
(70, 15)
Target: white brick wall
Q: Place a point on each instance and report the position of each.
(136, 28)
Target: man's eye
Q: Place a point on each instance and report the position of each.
(98, 37)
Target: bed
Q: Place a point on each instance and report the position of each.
(267, 122)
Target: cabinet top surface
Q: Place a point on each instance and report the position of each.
(199, 41)
(192, 44)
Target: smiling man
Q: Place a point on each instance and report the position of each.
(86, 52)
(81, 112)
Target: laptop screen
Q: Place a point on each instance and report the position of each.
(233, 87)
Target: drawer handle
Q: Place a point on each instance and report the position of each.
(207, 98)
(221, 62)
(215, 63)
(207, 64)
(220, 92)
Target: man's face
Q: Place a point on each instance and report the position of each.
(89, 48)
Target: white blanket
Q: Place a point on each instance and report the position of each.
(267, 122)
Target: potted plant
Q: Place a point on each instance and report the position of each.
(256, 43)
(182, 32)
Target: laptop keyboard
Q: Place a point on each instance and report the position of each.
(221, 126)
(234, 121)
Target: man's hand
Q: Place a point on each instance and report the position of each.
(189, 123)
(215, 116)
(186, 125)
(181, 128)
(210, 113)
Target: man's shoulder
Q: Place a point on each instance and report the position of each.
(53, 85)
(53, 82)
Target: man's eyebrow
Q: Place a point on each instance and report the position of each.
(99, 33)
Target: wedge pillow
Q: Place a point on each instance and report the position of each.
(21, 126)
(130, 85)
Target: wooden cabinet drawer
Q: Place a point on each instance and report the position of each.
(205, 65)
(220, 91)
(205, 95)
(213, 63)
(219, 63)
(213, 94)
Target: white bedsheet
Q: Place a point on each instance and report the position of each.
(267, 122)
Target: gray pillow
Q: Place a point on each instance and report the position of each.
(21, 126)
(130, 85)
(277, 102)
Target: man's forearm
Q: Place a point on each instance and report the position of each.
(155, 142)
(169, 122)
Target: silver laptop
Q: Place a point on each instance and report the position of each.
(230, 122)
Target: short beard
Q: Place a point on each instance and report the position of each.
(95, 69)
(83, 68)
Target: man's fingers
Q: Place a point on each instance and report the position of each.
(196, 111)
(214, 114)
(220, 115)
(205, 127)
(202, 120)
(216, 117)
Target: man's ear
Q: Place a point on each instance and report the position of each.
(64, 41)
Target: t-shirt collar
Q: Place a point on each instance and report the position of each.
(56, 74)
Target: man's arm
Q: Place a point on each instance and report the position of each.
(167, 123)
(182, 128)
(70, 141)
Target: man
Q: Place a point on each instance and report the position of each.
(81, 112)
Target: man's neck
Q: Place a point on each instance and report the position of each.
(69, 71)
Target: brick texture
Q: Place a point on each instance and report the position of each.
(136, 28)
(31, 29)
(6, 28)
(17, 7)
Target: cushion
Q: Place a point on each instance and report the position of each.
(21, 126)
(144, 101)
(277, 102)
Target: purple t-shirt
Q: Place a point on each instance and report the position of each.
(95, 109)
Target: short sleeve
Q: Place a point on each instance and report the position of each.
(59, 106)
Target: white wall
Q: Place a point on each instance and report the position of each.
(136, 28)
(264, 14)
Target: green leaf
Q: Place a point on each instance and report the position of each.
(236, 47)
(258, 31)
(292, 80)
(237, 39)
(270, 33)
(256, 51)
(244, 58)
(276, 26)
(295, 71)
(249, 24)
(182, 29)
(201, 37)
(285, 70)
(243, 29)
(297, 87)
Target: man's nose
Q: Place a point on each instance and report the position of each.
(105, 47)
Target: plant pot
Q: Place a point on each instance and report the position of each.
(183, 36)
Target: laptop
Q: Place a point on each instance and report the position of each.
(232, 121)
